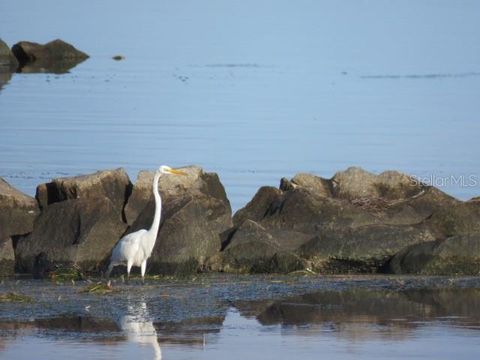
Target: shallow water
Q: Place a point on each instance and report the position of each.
(257, 317)
(252, 90)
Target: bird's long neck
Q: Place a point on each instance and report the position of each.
(158, 208)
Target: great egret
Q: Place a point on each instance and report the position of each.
(134, 249)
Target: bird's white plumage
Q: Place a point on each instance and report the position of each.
(130, 247)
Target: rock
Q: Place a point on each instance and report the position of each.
(456, 255)
(366, 249)
(8, 61)
(259, 206)
(56, 56)
(253, 250)
(112, 184)
(17, 214)
(355, 222)
(355, 183)
(314, 184)
(81, 220)
(7, 257)
(74, 232)
(195, 213)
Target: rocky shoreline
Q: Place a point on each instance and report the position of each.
(355, 222)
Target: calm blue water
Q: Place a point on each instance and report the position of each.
(253, 90)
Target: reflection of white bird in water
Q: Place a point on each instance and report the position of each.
(140, 330)
(136, 248)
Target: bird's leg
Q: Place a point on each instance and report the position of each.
(110, 268)
(143, 268)
(129, 267)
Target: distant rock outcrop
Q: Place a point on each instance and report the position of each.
(56, 56)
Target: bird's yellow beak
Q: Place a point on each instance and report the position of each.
(177, 172)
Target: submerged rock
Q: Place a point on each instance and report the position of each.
(17, 214)
(195, 213)
(56, 56)
(354, 222)
(80, 222)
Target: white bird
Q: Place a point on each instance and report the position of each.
(135, 248)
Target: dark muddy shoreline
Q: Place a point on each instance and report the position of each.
(200, 296)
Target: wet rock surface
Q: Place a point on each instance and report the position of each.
(354, 222)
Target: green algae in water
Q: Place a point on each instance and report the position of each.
(65, 274)
(14, 297)
(98, 288)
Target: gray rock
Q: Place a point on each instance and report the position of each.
(355, 222)
(17, 214)
(8, 61)
(252, 249)
(7, 257)
(78, 233)
(366, 249)
(456, 255)
(355, 183)
(81, 220)
(112, 184)
(195, 213)
(314, 184)
(56, 56)
(259, 207)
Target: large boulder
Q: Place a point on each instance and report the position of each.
(56, 56)
(367, 249)
(456, 255)
(81, 220)
(354, 222)
(72, 233)
(112, 184)
(17, 214)
(356, 183)
(195, 214)
(251, 249)
(8, 61)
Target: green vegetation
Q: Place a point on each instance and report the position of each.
(14, 297)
